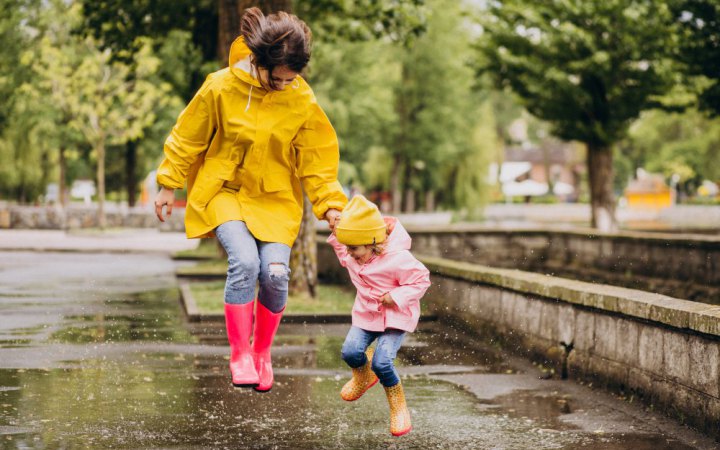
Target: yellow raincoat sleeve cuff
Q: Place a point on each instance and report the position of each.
(318, 156)
(189, 137)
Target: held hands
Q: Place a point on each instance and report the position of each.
(333, 217)
(165, 197)
(387, 300)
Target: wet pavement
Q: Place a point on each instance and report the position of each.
(95, 353)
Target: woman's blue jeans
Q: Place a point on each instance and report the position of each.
(250, 261)
(389, 341)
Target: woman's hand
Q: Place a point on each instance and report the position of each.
(387, 300)
(333, 217)
(166, 197)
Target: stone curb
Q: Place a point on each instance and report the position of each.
(201, 276)
(677, 313)
(191, 258)
(703, 240)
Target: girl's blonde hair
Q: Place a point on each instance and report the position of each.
(379, 249)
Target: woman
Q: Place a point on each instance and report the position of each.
(247, 143)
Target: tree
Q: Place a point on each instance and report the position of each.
(27, 119)
(437, 106)
(355, 83)
(682, 145)
(588, 68)
(105, 101)
(15, 38)
(123, 27)
(363, 20)
(110, 109)
(699, 49)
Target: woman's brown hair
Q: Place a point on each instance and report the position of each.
(278, 39)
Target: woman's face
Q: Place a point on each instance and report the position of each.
(281, 76)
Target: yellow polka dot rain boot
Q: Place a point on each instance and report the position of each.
(363, 378)
(399, 413)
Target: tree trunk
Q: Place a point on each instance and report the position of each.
(430, 200)
(100, 149)
(62, 197)
(600, 177)
(229, 14)
(395, 184)
(547, 162)
(130, 169)
(409, 202)
(303, 258)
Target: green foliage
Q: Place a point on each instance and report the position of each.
(471, 191)
(699, 28)
(75, 97)
(683, 144)
(415, 102)
(15, 37)
(438, 111)
(376, 169)
(588, 68)
(363, 20)
(354, 83)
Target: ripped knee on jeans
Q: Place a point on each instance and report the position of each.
(279, 271)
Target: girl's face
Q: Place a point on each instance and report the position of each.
(281, 76)
(361, 253)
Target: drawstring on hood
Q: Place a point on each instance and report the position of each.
(241, 66)
(249, 98)
(247, 67)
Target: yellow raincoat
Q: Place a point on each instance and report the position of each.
(245, 152)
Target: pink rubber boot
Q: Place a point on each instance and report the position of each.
(238, 320)
(266, 325)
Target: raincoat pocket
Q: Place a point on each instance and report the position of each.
(276, 182)
(210, 179)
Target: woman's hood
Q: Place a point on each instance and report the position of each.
(239, 53)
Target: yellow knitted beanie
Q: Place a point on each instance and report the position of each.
(361, 223)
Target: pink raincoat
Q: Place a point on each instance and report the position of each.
(396, 272)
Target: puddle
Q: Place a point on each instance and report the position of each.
(116, 368)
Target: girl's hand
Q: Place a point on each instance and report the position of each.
(387, 300)
(166, 197)
(333, 217)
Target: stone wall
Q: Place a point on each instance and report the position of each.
(76, 216)
(663, 350)
(683, 266)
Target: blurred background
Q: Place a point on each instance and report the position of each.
(506, 113)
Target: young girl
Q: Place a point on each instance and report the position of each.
(389, 283)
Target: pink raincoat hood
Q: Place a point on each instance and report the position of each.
(399, 239)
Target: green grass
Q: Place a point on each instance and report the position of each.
(211, 267)
(332, 299)
(207, 249)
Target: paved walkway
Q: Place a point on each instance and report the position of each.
(95, 353)
(119, 240)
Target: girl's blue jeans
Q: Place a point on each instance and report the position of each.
(250, 261)
(389, 341)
